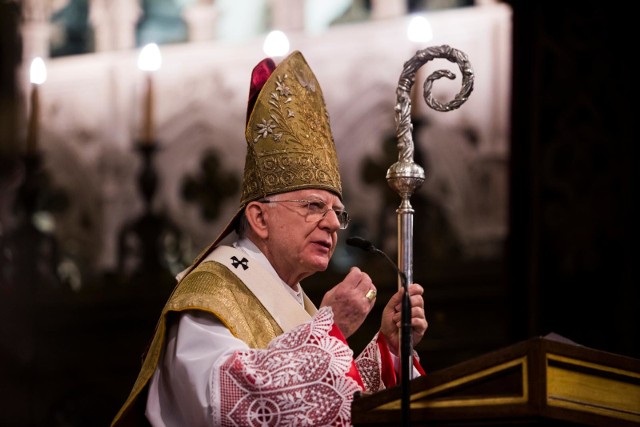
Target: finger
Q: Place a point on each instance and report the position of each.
(357, 278)
(354, 273)
(418, 317)
(415, 289)
(395, 300)
(419, 324)
(417, 313)
(416, 301)
(365, 281)
(353, 277)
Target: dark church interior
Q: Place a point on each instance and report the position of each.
(69, 357)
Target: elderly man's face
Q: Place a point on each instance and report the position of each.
(300, 244)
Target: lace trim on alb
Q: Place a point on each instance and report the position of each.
(299, 380)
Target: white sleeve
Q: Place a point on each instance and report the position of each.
(207, 377)
(305, 377)
(180, 387)
(398, 368)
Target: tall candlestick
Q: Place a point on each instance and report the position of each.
(148, 61)
(34, 121)
(147, 118)
(38, 75)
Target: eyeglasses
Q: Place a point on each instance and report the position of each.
(316, 210)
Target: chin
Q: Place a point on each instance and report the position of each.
(320, 266)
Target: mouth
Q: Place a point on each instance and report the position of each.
(324, 244)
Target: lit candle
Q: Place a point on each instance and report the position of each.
(37, 75)
(419, 30)
(148, 61)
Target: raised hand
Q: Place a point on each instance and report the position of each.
(349, 302)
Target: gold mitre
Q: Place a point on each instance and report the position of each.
(289, 141)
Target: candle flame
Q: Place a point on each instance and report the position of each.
(419, 30)
(150, 58)
(276, 44)
(38, 71)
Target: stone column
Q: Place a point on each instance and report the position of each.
(114, 23)
(287, 15)
(383, 9)
(201, 18)
(36, 29)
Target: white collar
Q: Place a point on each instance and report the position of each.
(254, 252)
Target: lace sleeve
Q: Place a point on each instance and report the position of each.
(379, 368)
(369, 364)
(302, 378)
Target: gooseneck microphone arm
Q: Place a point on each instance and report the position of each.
(406, 353)
(366, 245)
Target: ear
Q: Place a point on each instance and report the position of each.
(257, 218)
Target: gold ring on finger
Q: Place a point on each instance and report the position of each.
(371, 295)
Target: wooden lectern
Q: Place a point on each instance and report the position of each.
(541, 381)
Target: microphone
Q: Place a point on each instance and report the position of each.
(367, 246)
(405, 328)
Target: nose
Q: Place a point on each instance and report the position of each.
(330, 220)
